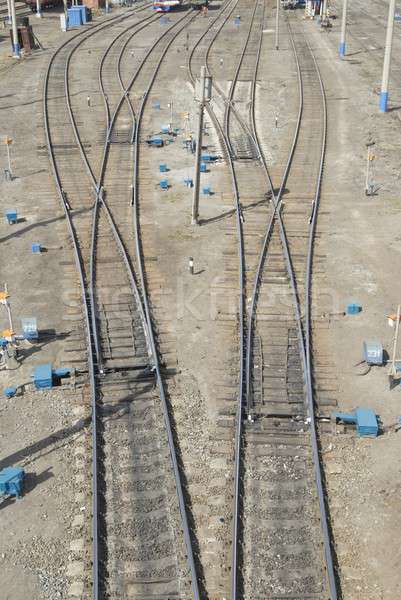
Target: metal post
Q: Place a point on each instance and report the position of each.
(195, 201)
(9, 12)
(393, 371)
(277, 21)
(171, 116)
(343, 28)
(16, 46)
(369, 159)
(387, 57)
(9, 159)
(107, 6)
(8, 308)
(38, 11)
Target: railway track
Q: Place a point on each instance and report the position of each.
(141, 542)
(279, 510)
(280, 518)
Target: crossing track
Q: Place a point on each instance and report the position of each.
(141, 543)
(280, 522)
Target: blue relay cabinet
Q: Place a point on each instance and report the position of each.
(43, 377)
(364, 418)
(74, 16)
(11, 481)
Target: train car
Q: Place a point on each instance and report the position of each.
(165, 5)
(199, 4)
(44, 4)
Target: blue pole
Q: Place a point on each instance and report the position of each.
(387, 57)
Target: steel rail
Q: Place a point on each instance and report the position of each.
(215, 85)
(96, 187)
(238, 431)
(221, 93)
(149, 327)
(304, 337)
(306, 362)
(277, 199)
(138, 293)
(190, 57)
(241, 314)
(144, 23)
(82, 280)
(139, 253)
(234, 80)
(308, 333)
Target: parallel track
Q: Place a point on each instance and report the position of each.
(122, 358)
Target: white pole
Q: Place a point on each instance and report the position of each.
(9, 159)
(343, 28)
(107, 6)
(277, 21)
(171, 115)
(8, 307)
(195, 200)
(387, 57)
(16, 46)
(38, 12)
(367, 171)
(9, 11)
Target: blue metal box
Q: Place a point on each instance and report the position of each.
(36, 248)
(354, 309)
(30, 328)
(62, 372)
(43, 377)
(11, 216)
(163, 168)
(10, 392)
(203, 168)
(74, 16)
(164, 184)
(155, 141)
(206, 191)
(373, 353)
(11, 481)
(86, 14)
(366, 422)
(208, 158)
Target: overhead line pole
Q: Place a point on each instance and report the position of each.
(16, 46)
(387, 57)
(9, 12)
(343, 28)
(277, 23)
(204, 95)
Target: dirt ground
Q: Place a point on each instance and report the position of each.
(40, 551)
(362, 248)
(46, 433)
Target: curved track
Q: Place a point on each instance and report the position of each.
(136, 484)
